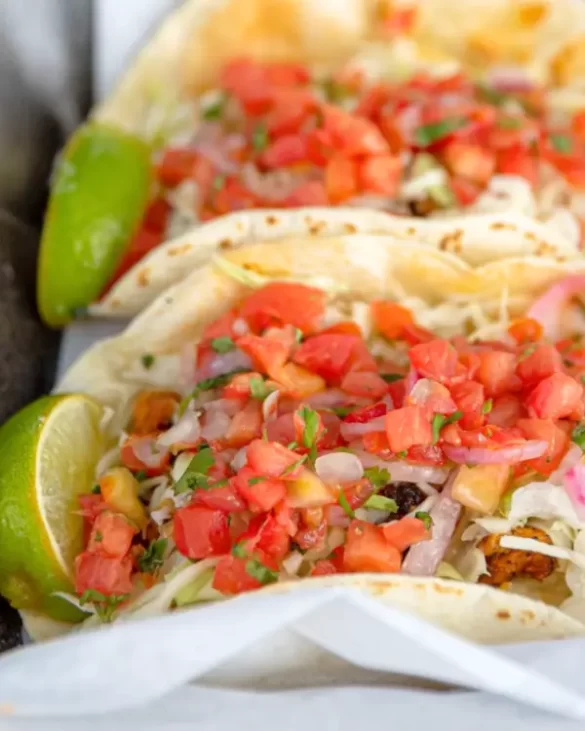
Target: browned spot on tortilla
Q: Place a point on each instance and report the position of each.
(527, 614)
(308, 220)
(143, 277)
(317, 227)
(240, 226)
(503, 614)
(440, 589)
(500, 226)
(226, 244)
(271, 220)
(350, 228)
(544, 249)
(115, 303)
(529, 236)
(178, 250)
(411, 231)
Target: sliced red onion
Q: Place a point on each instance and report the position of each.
(188, 364)
(149, 452)
(509, 79)
(292, 563)
(531, 449)
(351, 430)
(215, 424)
(240, 327)
(388, 401)
(229, 406)
(574, 482)
(274, 186)
(331, 398)
(240, 459)
(338, 467)
(223, 363)
(548, 308)
(186, 431)
(336, 516)
(572, 457)
(424, 558)
(430, 393)
(270, 406)
(410, 380)
(401, 471)
(216, 156)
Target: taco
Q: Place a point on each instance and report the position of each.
(300, 411)
(404, 108)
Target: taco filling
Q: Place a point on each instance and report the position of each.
(285, 136)
(306, 440)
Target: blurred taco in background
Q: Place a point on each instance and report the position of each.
(307, 410)
(408, 110)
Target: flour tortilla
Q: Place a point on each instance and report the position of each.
(352, 268)
(183, 59)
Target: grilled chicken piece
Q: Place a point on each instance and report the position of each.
(504, 564)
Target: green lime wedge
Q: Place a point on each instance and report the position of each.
(98, 196)
(48, 453)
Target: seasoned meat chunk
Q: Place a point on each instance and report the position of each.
(506, 563)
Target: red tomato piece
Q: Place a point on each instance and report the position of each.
(176, 165)
(407, 427)
(372, 101)
(109, 576)
(130, 460)
(555, 397)
(369, 385)
(469, 398)
(433, 397)
(506, 411)
(231, 576)
(268, 536)
(268, 355)
(366, 550)
(223, 497)
(91, 506)
(281, 303)
(471, 162)
(341, 179)
(525, 330)
(200, 532)
(284, 151)
(519, 161)
(351, 135)
(245, 425)
(111, 535)
(298, 382)
(465, 191)
(220, 328)
(261, 493)
(556, 438)
(234, 196)
(311, 193)
(327, 355)
(390, 318)
(539, 363)
(497, 372)
(405, 532)
(323, 568)
(377, 443)
(343, 328)
(436, 360)
(365, 414)
(380, 175)
(248, 81)
(143, 241)
(271, 459)
(287, 73)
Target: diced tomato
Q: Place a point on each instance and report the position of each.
(397, 391)
(231, 576)
(200, 532)
(343, 328)
(377, 443)
(158, 460)
(506, 411)
(233, 196)
(271, 459)
(436, 359)
(380, 175)
(471, 162)
(111, 535)
(109, 576)
(298, 382)
(327, 355)
(323, 568)
(405, 532)
(525, 330)
(497, 372)
(290, 110)
(465, 191)
(372, 101)
(143, 241)
(248, 81)
(390, 318)
(239, 386)
(220, 328)
(366, 550)
(311, 193)
(469, 398)
(433, 397)
(268, 355)
(271, 538)
(369, 385)
(284, 151)
(361, 358)
(578, 126)
(341, 179)
(519, 161)
(286, 517)
(407, 427)
(245, 425)
(223, 497)
(204, 174)
(414, 335)
(157, 215)
(429, 455)
(176, 165)
(571, 167)
(281, 303)
(555, 397)
(351, 135)
(542, 362)
(553, 435)
(365, 414)
(399, 21)
(287, 73)
(91, 506)
(261, 493)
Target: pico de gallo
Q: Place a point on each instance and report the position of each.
(301, 444)
(282, 135)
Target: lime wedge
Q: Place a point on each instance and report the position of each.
(48, 453)
(98, 196)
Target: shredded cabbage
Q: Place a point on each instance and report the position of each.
(543, 500)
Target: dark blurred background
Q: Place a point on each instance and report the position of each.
(45, 91)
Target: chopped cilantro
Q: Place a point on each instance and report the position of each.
(105, 606)
(196, 473)
(239, 551)
(147, 360)
(257, 569)
(440, 420)
(487, 406)
(492, 96)
(428, 134)
(509, 123)
(342, 411)
(391, 377)
(256, 480)
(214, 111)
(562, 143)
(260, 137)
(153, 557)
(140, 475)
(218, 182)
(526, 352)
(578, 436)
(222, 345)
(425, 517)
(98, 536)
(379, 502)
(334, 91)
(298, 335)
(96, 490)
(265, 433)
(310, 431)
(258, 388)
(209, 384)
(402, 454)
(582, 379)
(292, 467)
(345, 505)
(292, 445)
(378, 476)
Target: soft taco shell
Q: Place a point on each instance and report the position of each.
(183, 59)
(351, 268)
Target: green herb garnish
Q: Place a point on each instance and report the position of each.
(96, 490)
(292, 467)
(440, 420)
(334, 91)
(222, 345)
(342, 411)
(218, 182)
(292, 445)
(487, 406)
(260, 137)
(578, 435)
(147, 360)
(153, 558)
(562, 143)
(378, 476)
(209, 384)
(196, 473)
(310, 431)
(428, 134)
(391, 377)
(140, 475)
(105, 606)
(258, 388)
(98, 536)
(239, 551)
(257, 569)
(214, 111)
(298, 335)
(509, 123)
(379, 502)
(426, 519)
(402, 454)
(345, 505)
(256, 480)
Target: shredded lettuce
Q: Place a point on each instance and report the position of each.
(543, 500)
